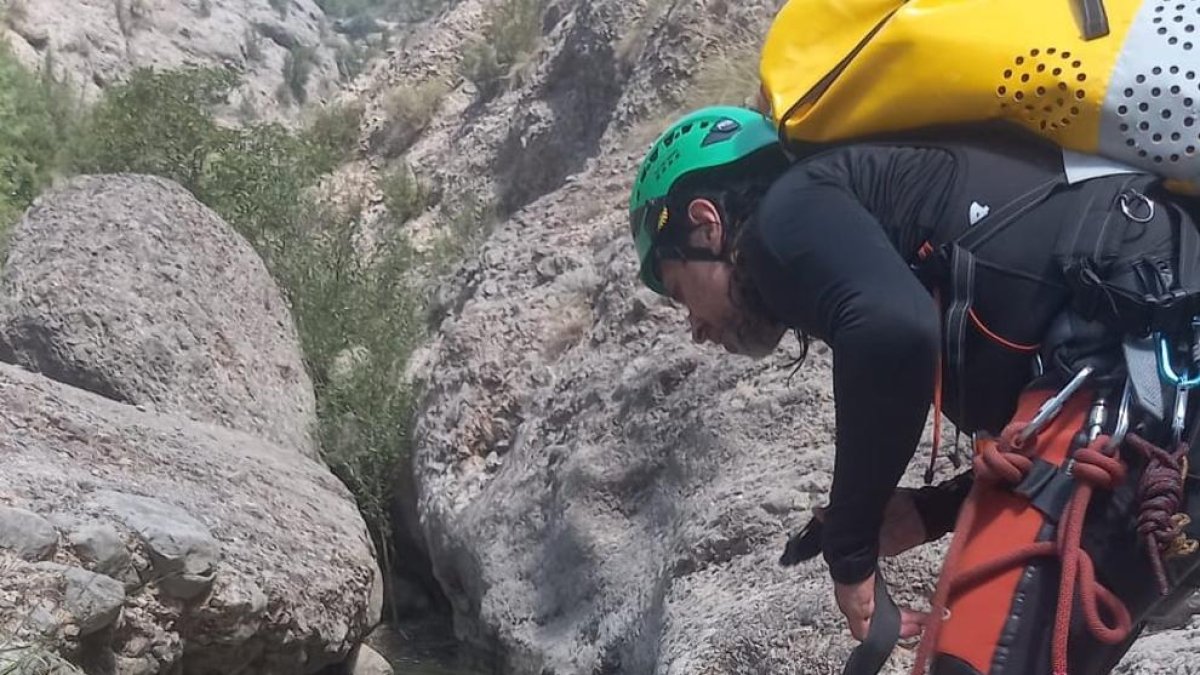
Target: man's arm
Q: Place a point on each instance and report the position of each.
(824, 264)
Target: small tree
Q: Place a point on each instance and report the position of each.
(155, 123)
(37, 118)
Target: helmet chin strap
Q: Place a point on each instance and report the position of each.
(687, 252)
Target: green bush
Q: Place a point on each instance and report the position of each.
(333, 131)
(408, 110)
(156, 123)
(358, 322)
(37, 118)
(405, 194)
(256, 179)
(511, 35)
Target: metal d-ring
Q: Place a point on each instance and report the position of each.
(1126, 206)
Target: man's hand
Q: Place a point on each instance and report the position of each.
(857, 602)
(902, 528)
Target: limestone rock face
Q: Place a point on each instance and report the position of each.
(162, 508)
(266, 546)
(97, 42)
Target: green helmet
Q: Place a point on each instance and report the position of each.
(704, 139)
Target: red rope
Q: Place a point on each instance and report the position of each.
(937, 394)
(1007, 462)
(1160, 492)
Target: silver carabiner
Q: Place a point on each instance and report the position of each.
(1053, 405)
(1122, 427)
(1127, 207)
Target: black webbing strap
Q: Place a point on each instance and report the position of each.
(869, 657)
(1095, 19)
(962, 285)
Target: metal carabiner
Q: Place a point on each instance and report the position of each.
(1122, 427)
(1166, 371)
(1180, 415)
(1053, 405)
(1128, 211)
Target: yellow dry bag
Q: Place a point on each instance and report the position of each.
(1116, 78)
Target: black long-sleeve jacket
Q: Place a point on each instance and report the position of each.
(832, 249)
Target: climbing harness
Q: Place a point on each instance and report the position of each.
(1058, 471)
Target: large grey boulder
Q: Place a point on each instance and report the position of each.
(29, 535)
(92, 600)
(128, 287)
(100, 545)
(272, 553)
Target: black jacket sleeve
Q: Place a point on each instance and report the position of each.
(825, 265)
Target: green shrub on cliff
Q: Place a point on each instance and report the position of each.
(155, 123)
(358, 320)
(510, 37)
(37, 114)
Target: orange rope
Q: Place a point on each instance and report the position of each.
(1015, 346)
(1008, 462)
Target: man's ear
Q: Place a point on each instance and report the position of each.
(707, 229)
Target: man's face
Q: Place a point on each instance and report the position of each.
(706, 289)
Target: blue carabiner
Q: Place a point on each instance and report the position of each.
(1167, 372)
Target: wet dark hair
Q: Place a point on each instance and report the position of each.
(736, 192)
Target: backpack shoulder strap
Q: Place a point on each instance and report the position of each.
(962, 274)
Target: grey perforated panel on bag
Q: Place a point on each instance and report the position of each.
(1151, 113)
